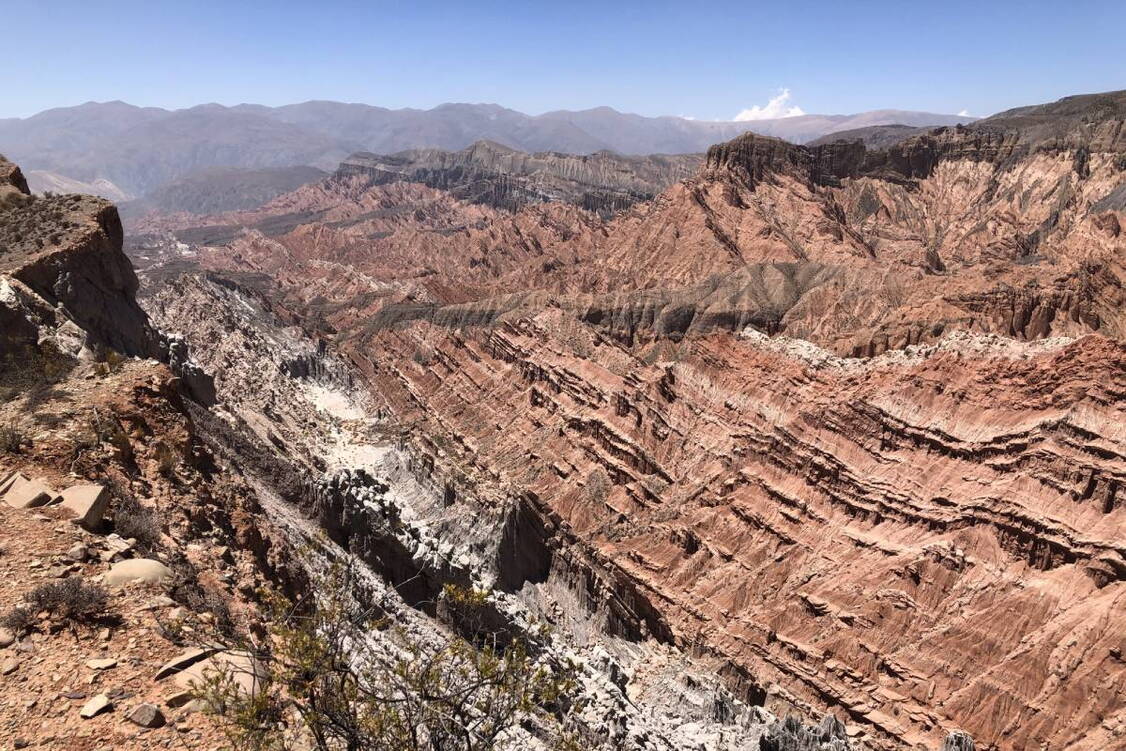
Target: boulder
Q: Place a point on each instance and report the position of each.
(95, 706)
(88, 503)
(143, 570)
(7, 638)
(146, 715)
(23, 493)
(240, 667)
(77, 553)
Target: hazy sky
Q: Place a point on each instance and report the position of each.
(709, 60)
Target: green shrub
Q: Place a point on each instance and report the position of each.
(394, 693)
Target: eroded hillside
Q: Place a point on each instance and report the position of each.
(147, 505)
(846, 423)
(816, 429)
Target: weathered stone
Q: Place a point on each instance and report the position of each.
(116, 548)
(95, 706)
(104, 663)
(179, 699)
(241, 668)
(184, 660)
(9, 479)
(78, 552)
(7, 638)
(958, 741)
(159, 602)
(143, 570)
(24, 494)
(9, 666)
(88, 503)
(147, 716)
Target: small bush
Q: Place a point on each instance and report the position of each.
(131, 519)
(167, 458)
(70, 600)
(18, 620)
(11, 439)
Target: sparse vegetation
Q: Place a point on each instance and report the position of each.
(114, 360)
(18, 620)
(392, 692)
(74, 600)
(598, 485)
(11, 438)
(167, 457)
(133, 520)
(424, 355)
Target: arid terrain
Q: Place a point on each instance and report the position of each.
(835, 429)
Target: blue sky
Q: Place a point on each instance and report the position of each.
(709, 60)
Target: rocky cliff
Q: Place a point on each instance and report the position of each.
(843, 424)
(118, 526)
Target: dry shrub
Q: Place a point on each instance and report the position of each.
(133, 520)
(73, 600)
(11, 438)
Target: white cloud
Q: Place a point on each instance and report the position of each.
(964, 113)
(779, 106)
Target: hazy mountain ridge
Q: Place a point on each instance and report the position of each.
(495, 175)
(222, 189)
(141, 148)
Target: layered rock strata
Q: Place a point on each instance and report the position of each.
(845, 424)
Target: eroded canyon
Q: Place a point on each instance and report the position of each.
(784, 429)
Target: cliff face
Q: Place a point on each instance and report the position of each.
(849, 534)
(843, 423)
(62, 256)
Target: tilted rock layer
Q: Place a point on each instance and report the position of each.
(847, 422)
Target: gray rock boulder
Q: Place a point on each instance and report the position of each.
(146, 715)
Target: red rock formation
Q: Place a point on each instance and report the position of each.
(923, 538)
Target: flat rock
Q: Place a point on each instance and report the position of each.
(185, 660)
(88, 503)
(146, 715)
(7, 638)
(104, 663)
(95, 706)
(179, 699)
(24, 493)
(240, 667)
(9, 666)
(144, 570)
(10, 478)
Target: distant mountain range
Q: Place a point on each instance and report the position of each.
(138, 149)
